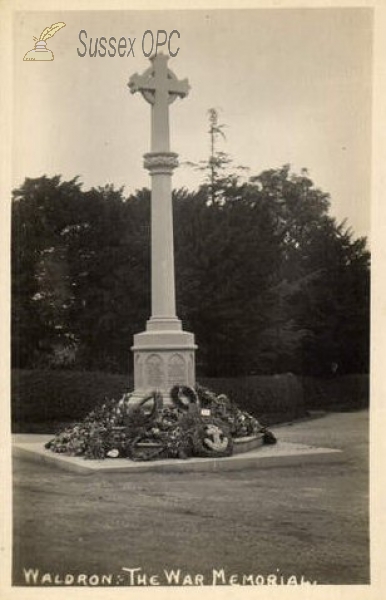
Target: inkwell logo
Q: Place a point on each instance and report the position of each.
(41, 52)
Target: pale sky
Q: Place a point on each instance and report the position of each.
(292, 85)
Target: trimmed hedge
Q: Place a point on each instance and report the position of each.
(270, 398)
(349, 392)
(54, 397)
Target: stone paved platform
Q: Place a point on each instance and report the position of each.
(31, 447)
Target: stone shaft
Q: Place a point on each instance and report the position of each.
(160, 166)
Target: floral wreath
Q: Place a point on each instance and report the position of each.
(148, 430)
(183, 396)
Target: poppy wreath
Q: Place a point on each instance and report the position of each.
(90, 438)
(212, 439)
(239, 422)
(143, 448)
(197, 423)
(269, 437)
(166, 436)
(137, 415)
(155, 444)
(157, 402)
(183, 396)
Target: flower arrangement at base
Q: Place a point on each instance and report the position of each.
(198, 423)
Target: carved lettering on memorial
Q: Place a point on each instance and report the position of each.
(176, 370)
(139, 370)
(154, 372)
(191, 369)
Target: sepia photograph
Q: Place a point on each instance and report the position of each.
(190, 246)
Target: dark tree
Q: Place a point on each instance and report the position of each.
(269, 282)
(265, 278)
(80, 264)
(41, 289)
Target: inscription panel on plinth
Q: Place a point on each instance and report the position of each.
(191, 370)
(138, 370)
(154, 371)
(176, 370)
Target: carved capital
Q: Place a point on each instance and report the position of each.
(160, 162)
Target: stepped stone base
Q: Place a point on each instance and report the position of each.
(31, 447)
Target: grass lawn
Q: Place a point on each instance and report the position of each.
(290, 520)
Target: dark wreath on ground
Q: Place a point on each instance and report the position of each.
(197, 423)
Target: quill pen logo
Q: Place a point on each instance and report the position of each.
(41, 52)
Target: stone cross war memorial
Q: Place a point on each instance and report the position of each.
(164, 354)
(185, 420)
(242, 283)
(190, 312)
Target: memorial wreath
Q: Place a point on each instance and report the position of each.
(197, 423)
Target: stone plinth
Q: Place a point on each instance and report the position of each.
(163, 359)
